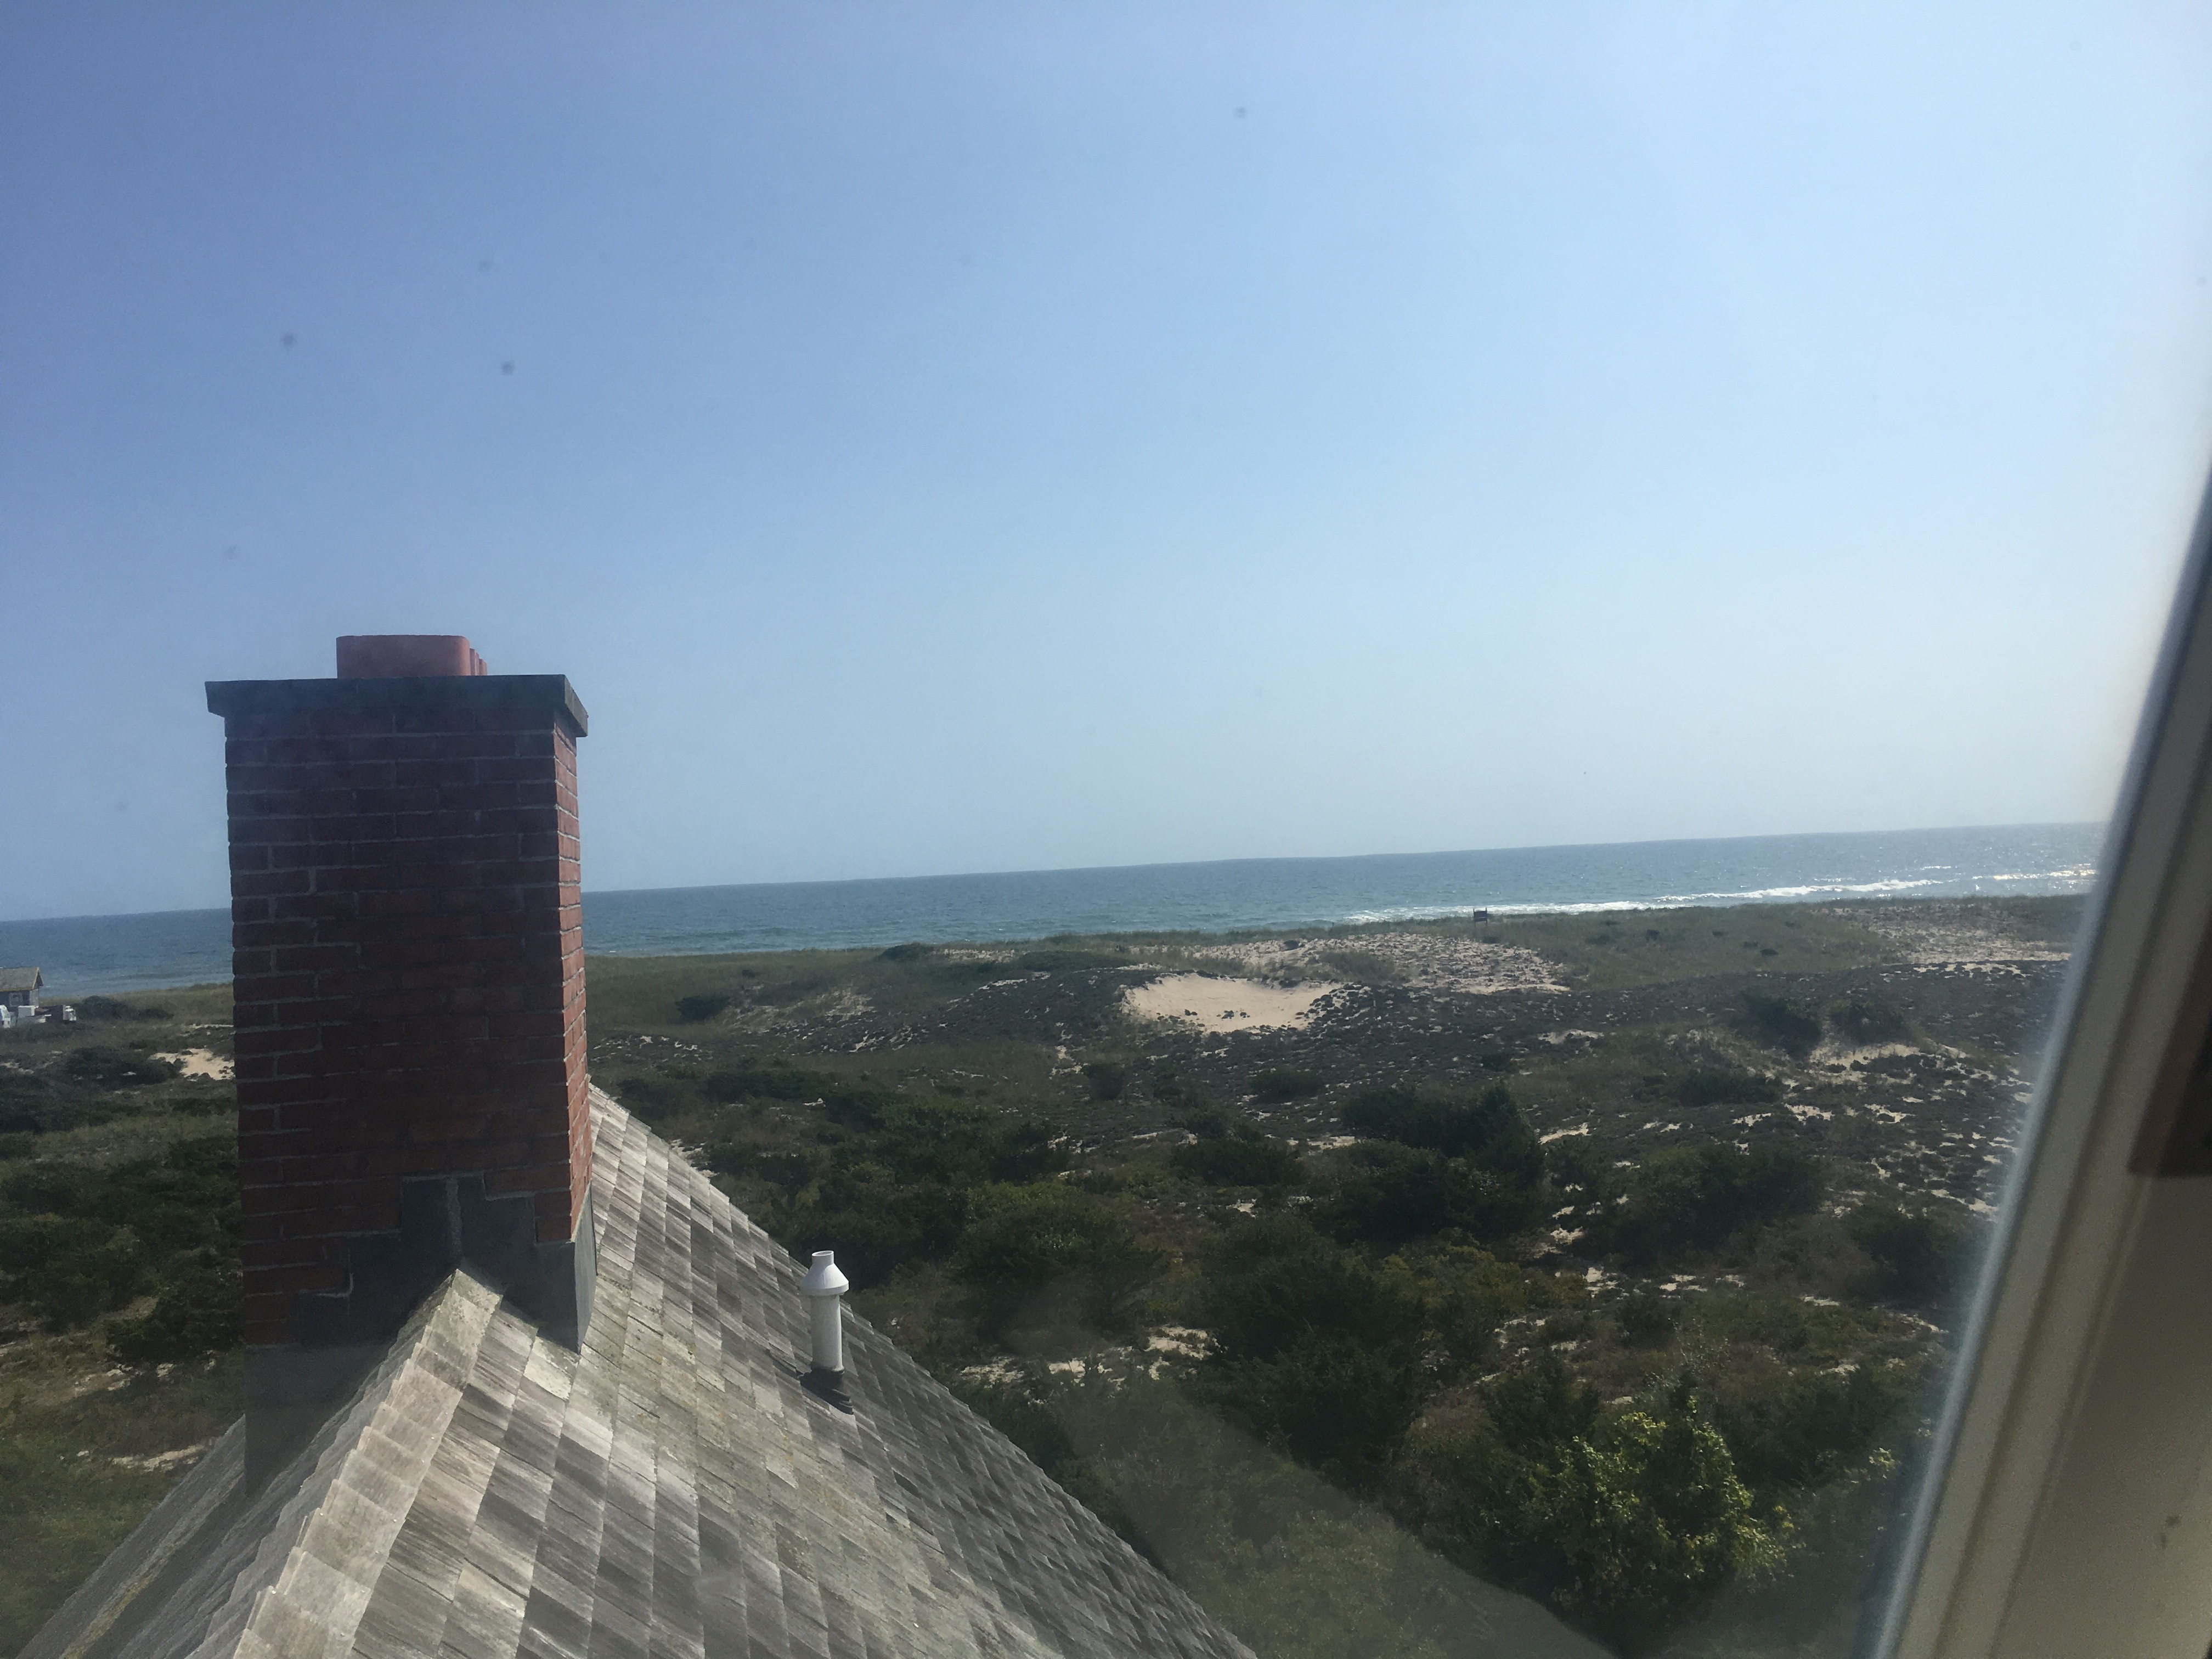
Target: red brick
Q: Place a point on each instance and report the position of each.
(247, 885)
(523, 1177)
(346, 823)
(445, 773)
(262, 1040)
(407, 950)
(282, 1252)
(557, 1213)
(313, 958)
(268, 830)
(412, 797)
(443, 822)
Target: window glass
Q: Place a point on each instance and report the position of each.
(1731, 464)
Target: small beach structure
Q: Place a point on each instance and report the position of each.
(20, 987)
(519, 1379)
(19, 998)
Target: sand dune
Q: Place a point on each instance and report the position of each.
(1436, 964)
(1226, 1005)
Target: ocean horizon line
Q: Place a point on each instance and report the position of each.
(148, 950)
(1353, 858)
(1195, 864)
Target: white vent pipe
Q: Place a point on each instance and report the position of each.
(824, 1289)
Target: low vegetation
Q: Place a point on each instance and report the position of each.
(118, 1281)
(1628, 1297)
(1625, 1322)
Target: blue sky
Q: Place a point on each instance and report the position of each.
(984, 436)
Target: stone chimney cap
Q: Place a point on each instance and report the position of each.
(406, 656)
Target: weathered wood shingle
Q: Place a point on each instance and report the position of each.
(669, 1493)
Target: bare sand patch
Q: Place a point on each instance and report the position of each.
(1931, 932)
(199, 1062)
(1226, 1005)
(836, 1005)
(161, 1462)
(1436, 963)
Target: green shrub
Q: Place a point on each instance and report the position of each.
(1362, 967)
(1206, 1122)
(1107, 1078)
(1575, 1162)
(71, 1269)
(1489, 1128)
(1539, 1408)
(1022, 1241)
(1286, 1082)
(1806, 1430)
(1636, 1528)
(1645, 1317)
(1867, 1019)
(655, 1096)
(199, 1099)
(1724, 1088)
(199, 1308)
(1920, 1258)
(1791, 1026)
(697, 1010)
(912, 952)
(957, 1143)
(894, 1190)
(1392, 1193)
(104, 1007)
(768, 1079)
(855, 1105)
(788, 1171)
(116, 1068)
(875, 1224)
(1686, 1198)
(1627, 1525)
(1058, 960)
(1246, 1158)
(46, 1101)
(77, 1242)
(1170, 1089)
(1314, 1350)
(1474, 1164)
(1468, 1293)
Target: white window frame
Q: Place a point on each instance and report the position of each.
(2069, 1509)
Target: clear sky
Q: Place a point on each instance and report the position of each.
(942, 436)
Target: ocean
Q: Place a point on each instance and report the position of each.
(85, 954)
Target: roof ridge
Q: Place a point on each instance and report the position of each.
(670, 1490)
(313, 1600)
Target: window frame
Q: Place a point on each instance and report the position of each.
(2067, 1508)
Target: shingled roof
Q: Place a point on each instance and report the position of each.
(672, 1490)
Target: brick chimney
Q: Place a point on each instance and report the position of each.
(409, 968)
